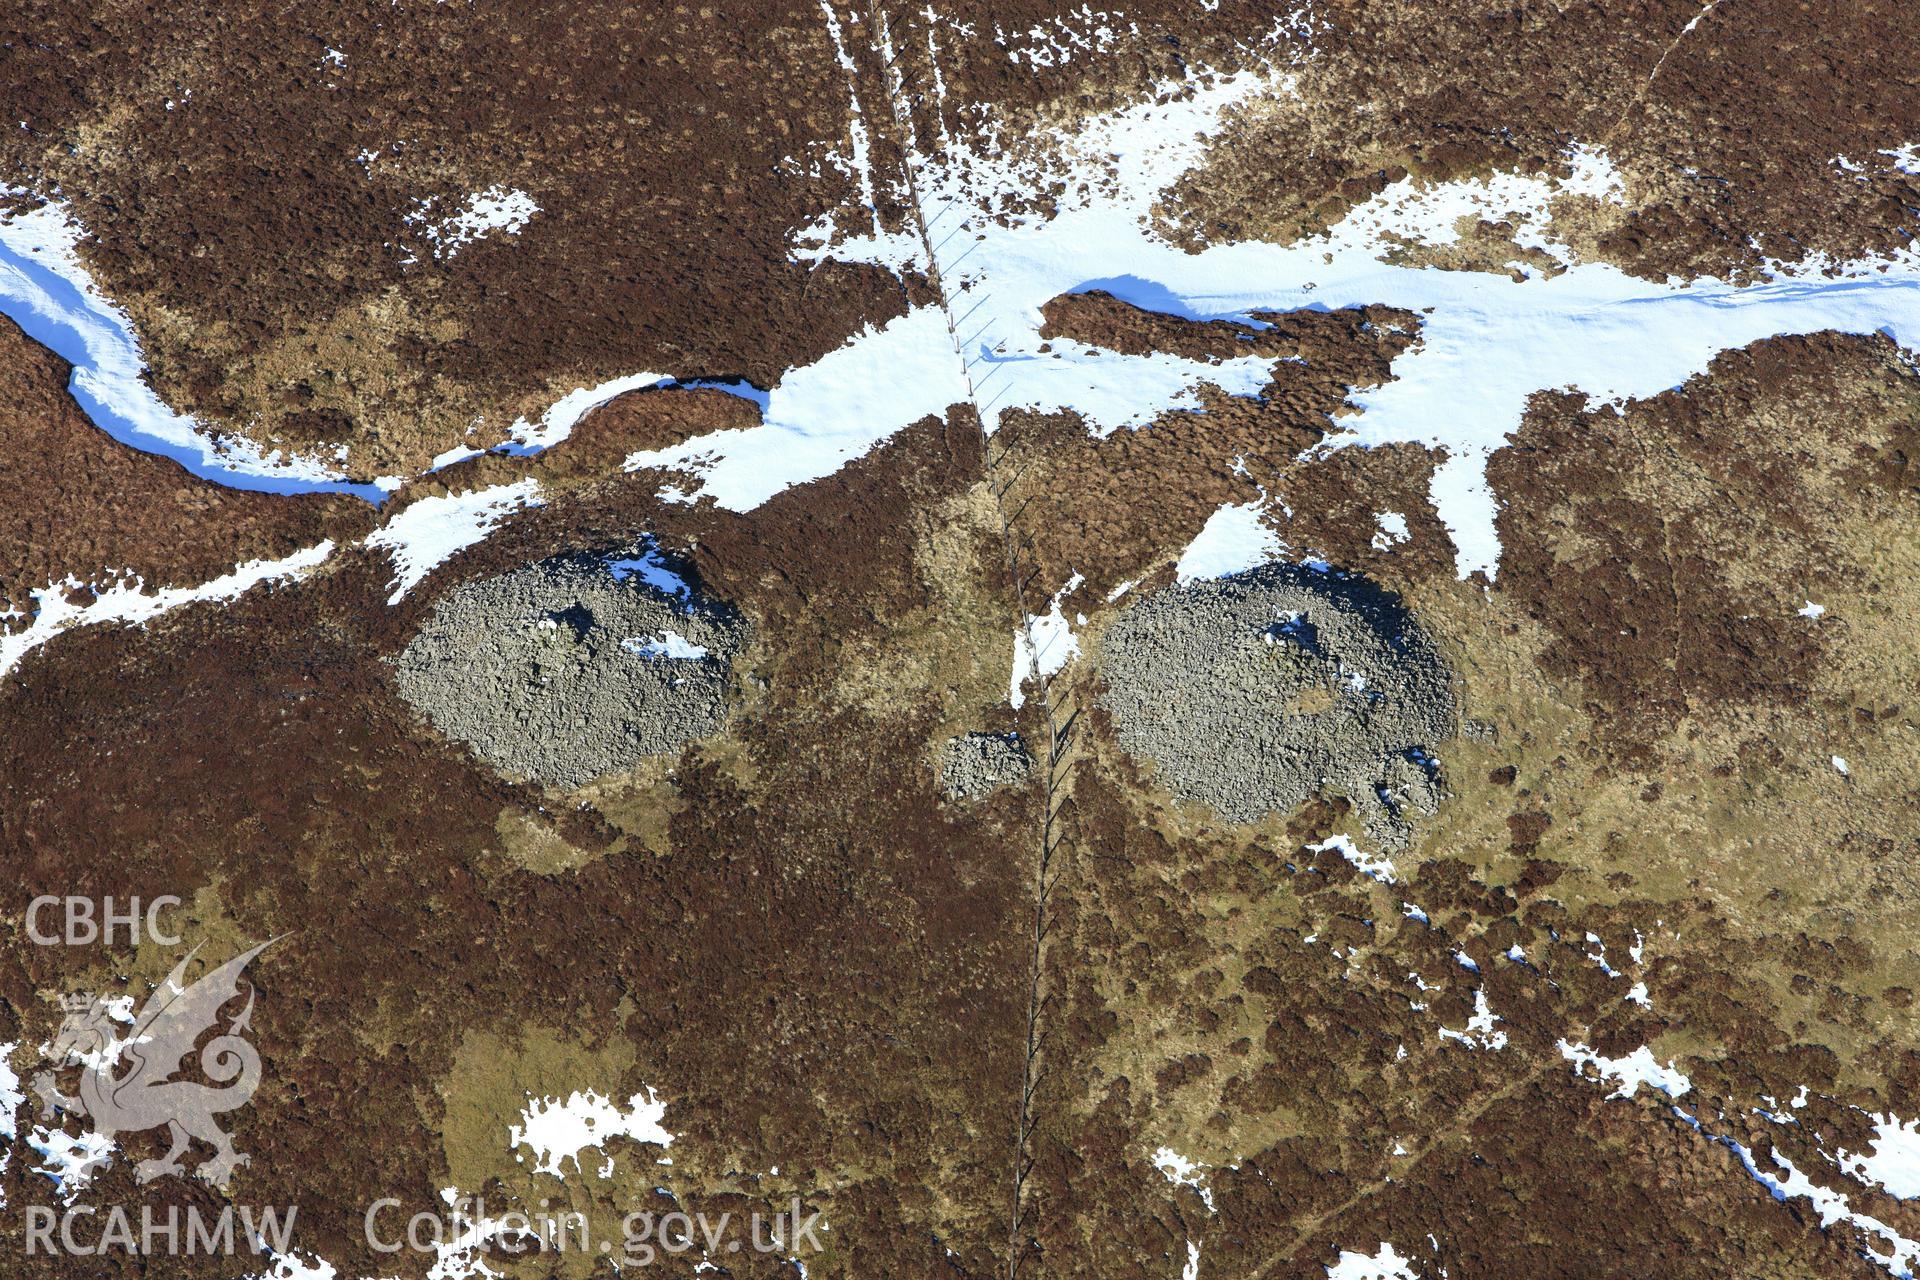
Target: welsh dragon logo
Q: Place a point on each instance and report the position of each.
(127, 1082)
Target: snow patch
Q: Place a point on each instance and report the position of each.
(462, 1254)
(48, 292)
(125, 601)
(860, 165)
(427, 532)
(670, 644)
(1393, 530)
(651, 568)
(1489, 341)
(823, 415)
(1056, 41)
(1632, 1071)
(1599, 956)
(1379, 866)
(1414, 212)
(1043, 646)
(1789, 1183)
(1183, 1172)
(1480, 1032)
(1895, 1160)
(558, 422)
(498, 208)
(11, 1100)
(289, 1266)
(1385, 1264)
(557, 1131)
(447, 457)
(1233, 540)
(70, 1161)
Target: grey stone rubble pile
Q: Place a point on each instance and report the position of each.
(1254, 692)
(562, 671)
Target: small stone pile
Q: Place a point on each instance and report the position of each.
(976, 763)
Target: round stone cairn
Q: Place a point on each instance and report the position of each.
(1254, 692)
(572, 668)
(975, 763)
